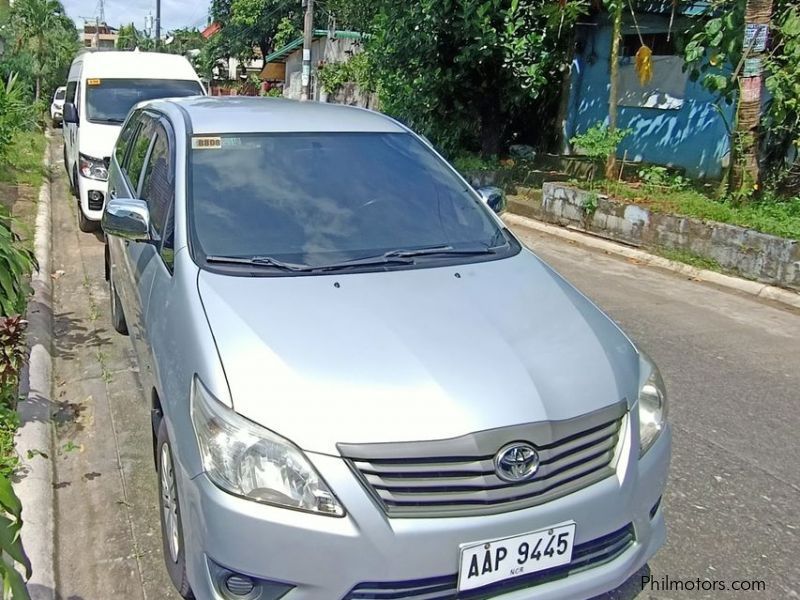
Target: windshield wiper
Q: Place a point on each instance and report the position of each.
(369, 261)
(258, 261)
(438, 251)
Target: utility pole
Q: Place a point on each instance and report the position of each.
(158, 24)
(308, 38)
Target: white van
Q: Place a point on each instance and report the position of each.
(101, 89)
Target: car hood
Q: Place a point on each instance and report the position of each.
(414, 355)
(97, 139)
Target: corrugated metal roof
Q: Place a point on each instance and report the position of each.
(318, 33)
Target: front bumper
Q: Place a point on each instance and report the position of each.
(92, 208)
(325, 558)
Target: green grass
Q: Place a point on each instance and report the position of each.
(23, 164)
(779, 217)
(689, 258)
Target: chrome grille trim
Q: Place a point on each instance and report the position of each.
(442, 477)
(585, 556)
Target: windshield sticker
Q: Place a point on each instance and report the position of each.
(206, 143)
(94, 81)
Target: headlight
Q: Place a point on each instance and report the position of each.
(250, 461)
(93, 168)
(652, 403)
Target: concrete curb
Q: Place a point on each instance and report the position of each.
(35, 439)
(761, 290)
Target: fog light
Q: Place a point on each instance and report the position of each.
(239, 585)
(95, 195)
(236, 586)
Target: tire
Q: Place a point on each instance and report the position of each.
(169, 510)
(84, 224)
(117, 315)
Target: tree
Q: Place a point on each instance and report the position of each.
(615, 8)
(471, 74)
(127, 38)
(48, 36)
(246, 24)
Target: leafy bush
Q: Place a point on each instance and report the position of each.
(11, 550)
(597, 142)
(332, 76)
(15, 115)
(15, 265)
(656, 176)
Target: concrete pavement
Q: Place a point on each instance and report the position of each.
(108, 540)
(730, 362)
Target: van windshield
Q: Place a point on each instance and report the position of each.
(109, 100)
(60, 93)
(315, 199)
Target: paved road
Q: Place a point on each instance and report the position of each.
(732, 366)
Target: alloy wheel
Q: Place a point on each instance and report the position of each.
(169, 502)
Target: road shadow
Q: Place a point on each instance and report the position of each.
(41, 592)
(71, 334)
(628, 590)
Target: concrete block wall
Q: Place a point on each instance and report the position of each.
(758, 256)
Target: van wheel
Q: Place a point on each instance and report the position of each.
(170, 511)
(84, 224)
(117, 316)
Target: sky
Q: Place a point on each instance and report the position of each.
(174, 13)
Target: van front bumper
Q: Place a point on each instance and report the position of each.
(93, 196)
(365, 552)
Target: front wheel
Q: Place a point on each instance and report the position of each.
(84, 224)
(171, 526)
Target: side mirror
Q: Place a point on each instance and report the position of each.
(70, 113)
(127, 218)
(494, 197)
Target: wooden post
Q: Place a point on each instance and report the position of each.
(613, 97)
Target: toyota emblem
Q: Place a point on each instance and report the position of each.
(516, 462)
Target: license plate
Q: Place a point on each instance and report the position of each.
(484, 563)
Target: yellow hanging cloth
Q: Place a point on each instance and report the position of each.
(644, 65)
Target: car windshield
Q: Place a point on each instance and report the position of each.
(109, 100)
(317, 199)
(60, 94)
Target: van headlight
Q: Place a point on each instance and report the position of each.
(652, 403)
(93, 168)
(250, 461)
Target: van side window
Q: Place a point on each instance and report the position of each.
(138, 154)
(124, 139)
(157, 185)
(71, 87)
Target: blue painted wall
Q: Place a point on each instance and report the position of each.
(693, 137)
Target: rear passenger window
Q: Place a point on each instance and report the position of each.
(157, 188)
(125, 138)
(138, 154)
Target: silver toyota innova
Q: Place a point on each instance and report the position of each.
(362, 384)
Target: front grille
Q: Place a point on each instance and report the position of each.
(457, 476)
(584, 556)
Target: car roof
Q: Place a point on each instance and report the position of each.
(243, 114)
(126, 64)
